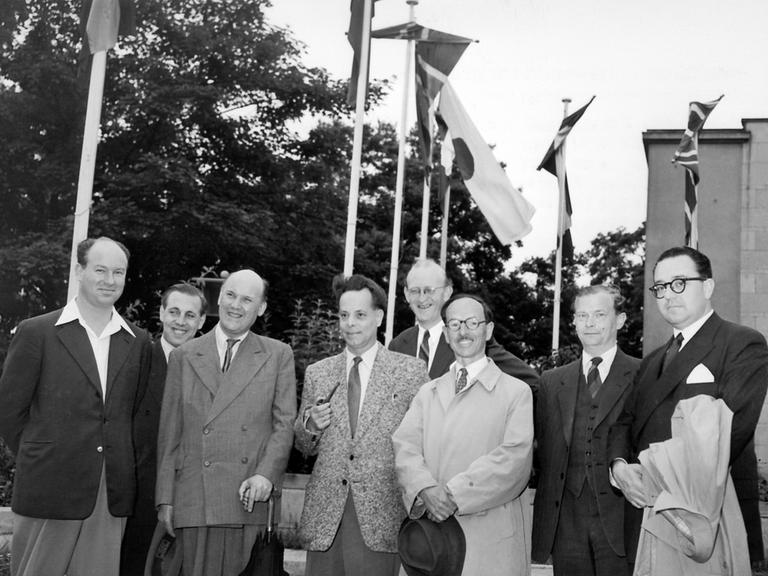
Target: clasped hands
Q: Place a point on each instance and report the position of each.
(439, 503)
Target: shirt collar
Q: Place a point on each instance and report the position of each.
(368, 356)
(607, 356)
(221, 338)
(474, 370)
(690, 331)
(434, 332)
(167, 347)
(71, 312)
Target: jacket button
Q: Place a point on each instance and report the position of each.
(244, 460)
(244, 428)
(344, 482)
(562, 475)
(207, 463)
(99, 449)
(206, 430)
(557, 504)
(351, 456)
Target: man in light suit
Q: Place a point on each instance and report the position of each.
(182, 314)
(578, 518)
(706, 355)
(427, 289)
(351, 404)
(69, 389)
(465, 447)
(226, 429)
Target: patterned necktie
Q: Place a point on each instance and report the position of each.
(228, 354)
(424, 348)
(672, 349)
(353, 394)
(593, 377)
(461, 383)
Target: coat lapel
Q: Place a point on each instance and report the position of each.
(158, 369)
(379, 387)
(75, 340)
(692, 354)
(205, 362)
(119, 350)
(248, 360)
(614, 386)
(569, 388)
(443, 359)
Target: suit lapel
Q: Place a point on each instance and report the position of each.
(692, 354)
(569, 388)
(248, 360)
(119, 349)
(205, 362)
(443, 359)
(614, 386)
(379, 387)
(75, 340)
(157, 373)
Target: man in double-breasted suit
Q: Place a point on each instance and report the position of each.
(578, 516)
(182, 314)
(226, 430)
(68, 392)
(427, 289)
(351, 404)
(706, 355)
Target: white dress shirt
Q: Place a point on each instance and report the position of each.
(364, 369)
(604, 367)
(221, 344)
(434, 339)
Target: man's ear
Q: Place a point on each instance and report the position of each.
(488, 331)
(262, 309)
(621, 319)
(379, 317)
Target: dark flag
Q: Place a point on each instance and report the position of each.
(552, 159)
(355, 38)
(687, 155)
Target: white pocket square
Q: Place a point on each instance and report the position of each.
(700, 375)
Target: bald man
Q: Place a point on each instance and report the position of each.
(226, 430)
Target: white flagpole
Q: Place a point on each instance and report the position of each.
(357, 144)
(87, 162)
(400, 181)
(560, 166)
(444, 229)
(424, 218)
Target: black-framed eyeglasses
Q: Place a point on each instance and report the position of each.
(471, 323)
(677, 286)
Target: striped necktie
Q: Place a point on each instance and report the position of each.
(593, 377)
(228, 354)
(424, 348)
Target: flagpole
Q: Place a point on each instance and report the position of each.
(357, 143)
(424, 218)
(444, 228)
(87, 162)
(559, 253)
(399, 182)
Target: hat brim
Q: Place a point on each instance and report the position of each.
(164, 556)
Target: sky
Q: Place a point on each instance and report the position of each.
(645, 61)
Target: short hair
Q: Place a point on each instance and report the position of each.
(487, 312)
(342, 284)
(264, 283)
(427, 263)
(85, 245)
(189, 290)
(700, 260)
(610, 289)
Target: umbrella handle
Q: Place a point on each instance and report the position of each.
(270, 516)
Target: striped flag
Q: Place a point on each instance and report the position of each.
(554, 163)
(355, 38)
(687, 155)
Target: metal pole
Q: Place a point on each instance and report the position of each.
(559, 163)
(399, 183)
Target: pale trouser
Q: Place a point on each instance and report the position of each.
(89, 547)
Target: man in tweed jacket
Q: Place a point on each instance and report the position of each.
(351, 405)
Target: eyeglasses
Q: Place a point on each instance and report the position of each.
(471, 324)
(677, 286)
(583, 317)
(427, 291)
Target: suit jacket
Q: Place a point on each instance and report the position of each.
(478, 444)
(737, 358)
(363, 465)
(217, 429)
(555, 415)
(407, 343)
(55, 419)
(145, 426)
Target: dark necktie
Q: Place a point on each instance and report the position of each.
(593, 377)
(424, 348)
(228, 354)
(461, 383)
(672, 349)
(353, 394)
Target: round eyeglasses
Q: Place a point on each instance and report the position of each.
(471, 324)
(426, 291)
(677, 286)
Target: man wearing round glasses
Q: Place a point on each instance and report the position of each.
(464, 447)
(705, 355)
(427, 289)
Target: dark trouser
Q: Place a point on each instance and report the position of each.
(348, 554)
(581, 547)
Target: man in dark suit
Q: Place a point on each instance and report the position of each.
(427, 288)
(706, 355)
(226, 429)
(182, 314)
(69, 389)
(578, 517)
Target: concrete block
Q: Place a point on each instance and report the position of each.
(754, 303)
(754, 260)
(748, 282)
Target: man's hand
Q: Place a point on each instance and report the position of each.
(319, 417)
(254, 489)
(165, 517)
(439, 503)
(629, 479)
